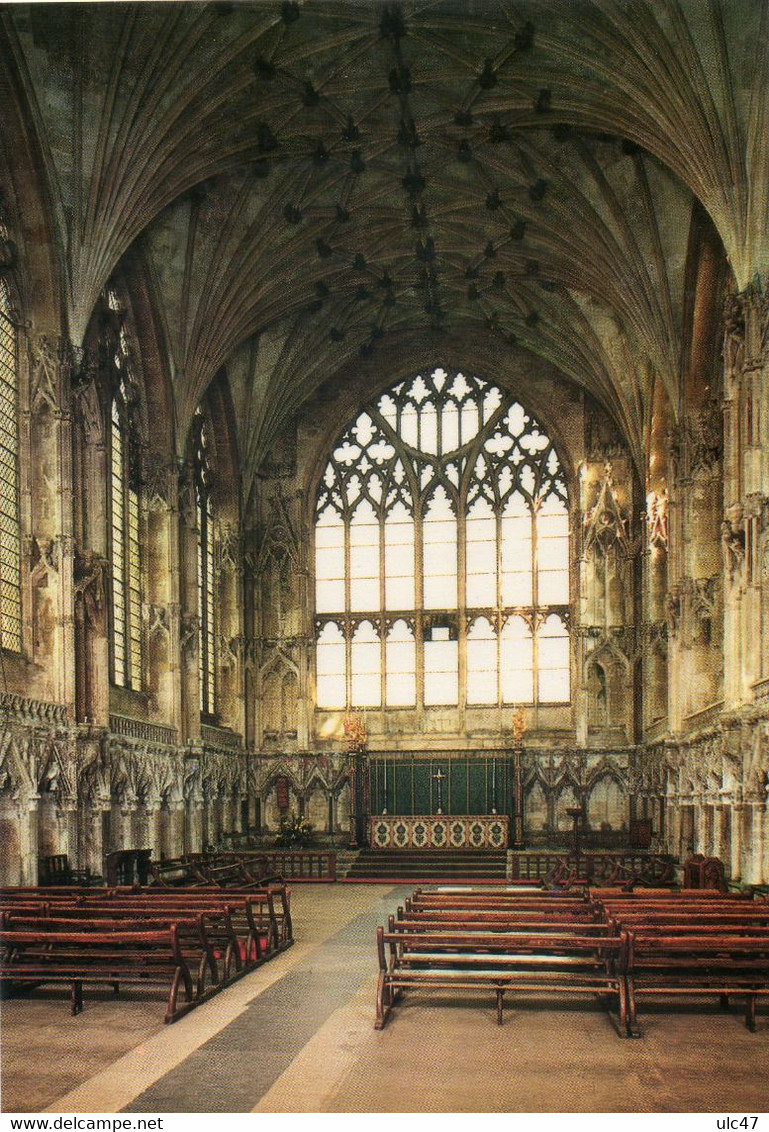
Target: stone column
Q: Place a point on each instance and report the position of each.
(735, 847)
(28, 839)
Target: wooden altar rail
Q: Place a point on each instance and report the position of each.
(292, 864)
(592, 867)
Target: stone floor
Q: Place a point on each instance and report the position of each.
(297, 1036)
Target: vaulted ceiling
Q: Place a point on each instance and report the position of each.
(309, 183)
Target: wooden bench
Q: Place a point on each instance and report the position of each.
(678, 920)
(482, 922)
(269, 907)
(200, 938)
(691, 964)
(234, 927)
(145, 957)
(268, 911)
(684, 895)
(502, 962)
(579, 909)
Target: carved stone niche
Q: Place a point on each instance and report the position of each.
(703, 438)
(734, 336)
(703, 597)
(158, 480)
(47, 358)
(606, 525)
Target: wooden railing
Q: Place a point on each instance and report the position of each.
(593, 867)
(292, 864)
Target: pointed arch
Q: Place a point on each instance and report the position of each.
(444, 505)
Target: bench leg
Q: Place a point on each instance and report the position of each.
(500, 1003)
(723, 1001)
(77, 996)
(383, 1002)
(624, 1021)
(750, 1012)
(632, 1016)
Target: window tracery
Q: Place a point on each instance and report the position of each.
(442, 553)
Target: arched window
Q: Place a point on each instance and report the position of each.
(442, 553)
(10, 531)
(202, 463)
(125, 513)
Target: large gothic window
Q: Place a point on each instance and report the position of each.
(442, 554)
(10, 534)
(202, 464)
(125, 516)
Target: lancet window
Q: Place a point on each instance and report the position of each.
(442, 553)
(203, 472)
(10, 533)
(125, 509)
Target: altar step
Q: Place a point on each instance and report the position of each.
(403, 865)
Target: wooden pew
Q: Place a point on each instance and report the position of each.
(268, 911)
(235, 926)
(493, 922)
(530, 963)
(557, 906)
(690, 964)
(147, 957)
(198, 937)
(270, 906)
(683, 895)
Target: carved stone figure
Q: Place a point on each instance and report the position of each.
(733, 545)
(90, 587)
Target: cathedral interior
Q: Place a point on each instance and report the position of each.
(373, 375)
(384, 462)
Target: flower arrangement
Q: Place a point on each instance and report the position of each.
(295, 832)
(355, 734)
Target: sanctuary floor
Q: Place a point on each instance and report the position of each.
(297, 1036)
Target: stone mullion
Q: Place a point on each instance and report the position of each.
(462, 611)
(419, 619)
(383, 615)
(535, 613)
(347, 622)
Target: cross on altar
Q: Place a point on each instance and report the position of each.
(439, 777)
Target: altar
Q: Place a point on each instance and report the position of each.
(439, 831)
